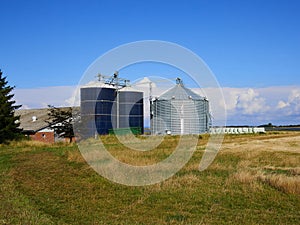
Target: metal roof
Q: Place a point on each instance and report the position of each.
(33, 119)
(180, 92)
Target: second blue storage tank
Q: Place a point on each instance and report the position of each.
(131, 108)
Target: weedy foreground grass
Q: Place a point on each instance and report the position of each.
(253, 180)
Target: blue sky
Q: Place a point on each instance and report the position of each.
(247, 44)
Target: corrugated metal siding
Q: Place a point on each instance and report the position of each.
(187, 113)
(131, 109)
(99, 110)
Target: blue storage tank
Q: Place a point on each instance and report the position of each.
(131, 108)
(104, 107)
(98, 113)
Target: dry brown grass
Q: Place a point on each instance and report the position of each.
(257, 144)
(283, 183)
(294, 171)
(29, 143)
(270, 159)
(220, 166)
(24, 144)
(75, 156)
(188, 180)
(246, 177)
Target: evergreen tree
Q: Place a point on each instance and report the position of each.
(9, 123)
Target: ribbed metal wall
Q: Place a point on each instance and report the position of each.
(102, 109)
(97, 109)
(131, 108)
(179, 111)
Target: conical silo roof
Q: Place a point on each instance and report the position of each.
(180, 92)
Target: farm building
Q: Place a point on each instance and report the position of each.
(34, 125)
(179, 111)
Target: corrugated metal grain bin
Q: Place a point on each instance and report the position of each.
(179, 111)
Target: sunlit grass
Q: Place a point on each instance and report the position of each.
(253, 180)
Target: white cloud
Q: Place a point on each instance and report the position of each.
(42, 97)
(281, 104)
(292, 104)
(250, 102)
(246, 101)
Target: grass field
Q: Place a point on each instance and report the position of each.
(255, 179)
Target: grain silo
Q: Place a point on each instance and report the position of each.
(97, 113)
(179, 111)
(131, 108)
(110, 105)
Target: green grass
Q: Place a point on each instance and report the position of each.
(52, 184)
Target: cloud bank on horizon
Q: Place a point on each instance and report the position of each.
(254, 106)
(278, 105)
